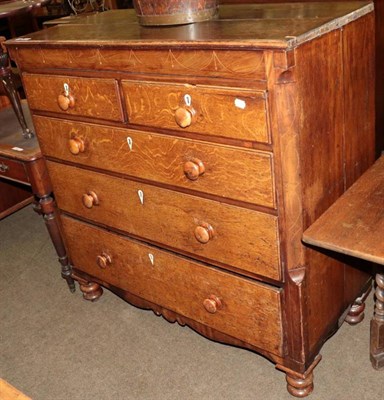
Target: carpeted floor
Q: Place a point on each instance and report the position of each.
(56, 346)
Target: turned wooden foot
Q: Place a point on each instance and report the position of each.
(377, 326)
(300, 385)
(356, 313)
(91, 290)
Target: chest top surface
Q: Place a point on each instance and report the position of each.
(258, 25)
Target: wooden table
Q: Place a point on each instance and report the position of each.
(354, 225)
(22, 166)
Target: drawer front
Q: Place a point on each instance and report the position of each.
(13, 169)
(245, 310)
(233, 113)
(88, 97)
(244, 175)
(234, 236)
(233, 64)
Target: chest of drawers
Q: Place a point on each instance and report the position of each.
(187, 161)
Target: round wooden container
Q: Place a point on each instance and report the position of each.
(174, 12)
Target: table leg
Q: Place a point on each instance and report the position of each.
(42, 189)
(8, 84)
(377, 326)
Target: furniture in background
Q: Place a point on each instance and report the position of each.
(354, 225)
(8, 392)
(23, 174)
(188, 161)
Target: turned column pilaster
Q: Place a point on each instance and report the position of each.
(377, 325)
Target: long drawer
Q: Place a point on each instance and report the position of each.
(228, 172)
(234, 113)
(209, 230)
(88, 97)
(238, 307)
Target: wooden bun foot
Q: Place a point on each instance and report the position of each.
(91, 291)
(356, 314)
(300, 384)
(299, 387)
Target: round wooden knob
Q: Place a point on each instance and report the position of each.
(194, 168)
(183, 117)
(103, 260)
(90, 199)
(66, 101)
(212, 304)
(76, 145)
(204, 233)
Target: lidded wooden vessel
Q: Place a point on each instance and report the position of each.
(174, 12)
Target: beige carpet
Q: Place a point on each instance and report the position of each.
(56, 346)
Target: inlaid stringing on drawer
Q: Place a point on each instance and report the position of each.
(234, 113)
(238, 307)
(203, 228)
(229, 172)
(231, 64)
(88, 97)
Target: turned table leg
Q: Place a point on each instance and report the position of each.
(41, 187)
(377, 326)
(8, 84)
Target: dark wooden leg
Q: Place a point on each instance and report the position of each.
(48, 210)
(91, 290)
(377, 326)
(300, 385)
(356, 313)
(42, 189)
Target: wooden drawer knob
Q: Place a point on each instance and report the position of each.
(76, 145)
(204, 233)
(90, 199)
(4, 167)
(103, 260)
(194, 168)
(66, 101)
(212, 304)
(184, 117)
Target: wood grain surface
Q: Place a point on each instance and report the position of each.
(233, 64)
(251, 311)
(235, 113)
(354, 225)
(230, 172)
(97, 98)
(170, 218)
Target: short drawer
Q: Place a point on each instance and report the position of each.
(88, 97)
(238, 237)
(234, 113)
(229, 172)
(13, 169)
(241, 308)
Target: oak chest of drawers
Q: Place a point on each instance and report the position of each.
(187, 161)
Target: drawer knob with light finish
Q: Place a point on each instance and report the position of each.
(65, 100)
(212, 304)
(103, 260)
(204, 233)
(184, 116)
(90, 199)
(76, 145)
(194, 168)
